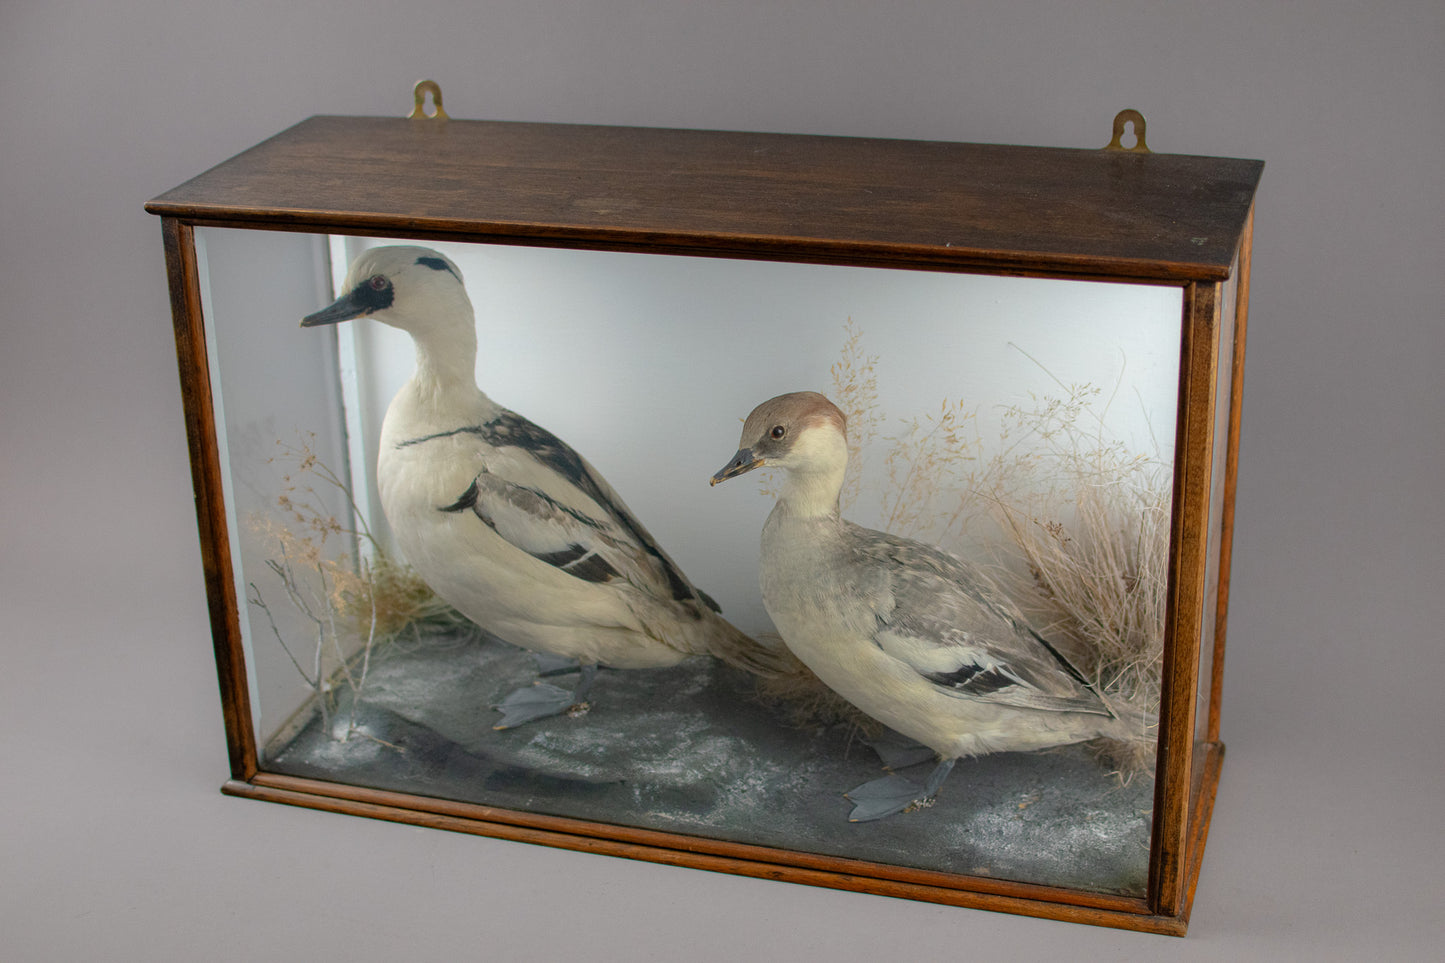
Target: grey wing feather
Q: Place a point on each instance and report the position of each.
(511, 429)
(944, 619)
(588, 548)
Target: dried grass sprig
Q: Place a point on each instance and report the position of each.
(923, 462)
(855, 392)
(1087, 523)
(1084, 522)
(356, 603)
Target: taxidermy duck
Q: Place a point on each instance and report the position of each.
(503, 520)
(906, 632)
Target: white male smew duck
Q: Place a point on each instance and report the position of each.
(502, 519)
(906, 632)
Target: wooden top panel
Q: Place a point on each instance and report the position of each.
(776, 196)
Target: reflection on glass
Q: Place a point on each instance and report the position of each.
(1026, 425)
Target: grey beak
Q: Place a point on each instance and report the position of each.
(744, 461)
(344, 308)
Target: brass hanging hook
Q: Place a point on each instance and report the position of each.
(1121, 120)
(419, 92)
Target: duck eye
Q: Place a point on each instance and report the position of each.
(378, 282)
(778, 431)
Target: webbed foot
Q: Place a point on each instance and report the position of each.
(542, 700)
(883, 797)
(533, 702)
(894, 794)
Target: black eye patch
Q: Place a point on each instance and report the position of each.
(436, 264)
(368, 298)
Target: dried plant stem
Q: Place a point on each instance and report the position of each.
(1084, 522)
(254, 598)
(353, 607)
(855, 392)
(366, 655)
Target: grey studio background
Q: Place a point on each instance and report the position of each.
(115, 843)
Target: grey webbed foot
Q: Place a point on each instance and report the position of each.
(894, 794)
(533, 702)
(882, 797)
(543, 700)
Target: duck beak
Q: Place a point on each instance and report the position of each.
(744, 461)
(344, 308)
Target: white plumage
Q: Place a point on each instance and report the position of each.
(502, 519)
(907, 633)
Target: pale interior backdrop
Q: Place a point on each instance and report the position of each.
(115, 844)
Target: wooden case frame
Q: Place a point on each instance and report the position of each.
(1075, 214)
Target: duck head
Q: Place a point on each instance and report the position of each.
(805, 435)
(412, 288)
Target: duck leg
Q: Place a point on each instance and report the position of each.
(542, 699)
(549, 665)
(897, 751)
(894, 794)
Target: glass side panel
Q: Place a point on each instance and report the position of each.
(1023, 426)
(1223, 392)
(1224, 387)
(276, 398)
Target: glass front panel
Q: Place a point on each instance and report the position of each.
(398, 591)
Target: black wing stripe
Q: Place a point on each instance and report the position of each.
(1064, 663)
(590, 568)
(973, 679)
(468, 500)
(563, 558)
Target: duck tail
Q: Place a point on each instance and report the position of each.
(732, 645)
(1128, 742)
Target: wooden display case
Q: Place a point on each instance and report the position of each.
(765, 219)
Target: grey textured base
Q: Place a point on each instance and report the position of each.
(691, 750)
